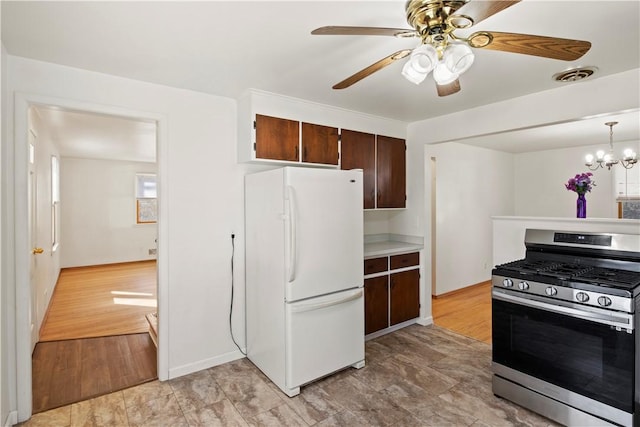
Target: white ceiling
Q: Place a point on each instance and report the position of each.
(96, 136)
(225, 47)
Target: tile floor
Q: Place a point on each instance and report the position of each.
(418, 376)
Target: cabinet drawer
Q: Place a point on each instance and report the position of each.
(405, 260)
(375, 265)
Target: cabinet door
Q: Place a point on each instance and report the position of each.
(391, 172)
(319, 144)
(405, 296)
(277, 139)
(358, 151)
(376, 304)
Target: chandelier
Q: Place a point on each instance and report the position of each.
(603, 159)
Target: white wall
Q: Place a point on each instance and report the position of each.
(467, 196)
(540, 177)
(47, 264)
(201, 204)
(98, 210)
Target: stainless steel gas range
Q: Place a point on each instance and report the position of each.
(565, 328)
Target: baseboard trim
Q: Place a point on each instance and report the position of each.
(12, 419)
(457, 291)
(425, 321)
(205, 364)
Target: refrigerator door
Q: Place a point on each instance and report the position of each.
(323, 231)
(324, 334)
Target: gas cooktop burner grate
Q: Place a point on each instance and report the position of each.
(611, 277)
(525, 266)
(577, 273)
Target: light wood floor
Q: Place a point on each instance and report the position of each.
(467, 311)
(101, 301)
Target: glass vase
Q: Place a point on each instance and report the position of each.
(581, 206)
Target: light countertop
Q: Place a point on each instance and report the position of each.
(385, 245)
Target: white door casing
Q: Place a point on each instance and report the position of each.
(22, 247)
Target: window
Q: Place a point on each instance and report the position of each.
(55, 203)
(146, 198)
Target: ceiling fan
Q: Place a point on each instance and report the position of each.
(447, 54)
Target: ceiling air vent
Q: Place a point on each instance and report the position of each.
(574, 74)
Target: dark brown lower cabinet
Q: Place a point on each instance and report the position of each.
(376, 299)
(391, 291)
(405, 296)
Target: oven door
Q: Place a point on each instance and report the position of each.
(585, 350)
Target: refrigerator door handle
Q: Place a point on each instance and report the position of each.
(293, 249)
(300, 308)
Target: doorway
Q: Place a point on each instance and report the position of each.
(23, 254)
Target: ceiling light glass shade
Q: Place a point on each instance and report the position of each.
(629, 154)
(442, 75)
(411, 74)
(458, 58)
(589, 159)
(424, 58)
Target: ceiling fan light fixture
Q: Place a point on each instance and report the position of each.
(458, 58)
(412, 74)
(424, 58)
(443, 75)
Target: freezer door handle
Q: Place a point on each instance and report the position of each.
(303, 307)
(293, 249)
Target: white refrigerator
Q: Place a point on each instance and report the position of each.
(304, 273)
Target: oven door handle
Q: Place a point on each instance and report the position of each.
(619, 320)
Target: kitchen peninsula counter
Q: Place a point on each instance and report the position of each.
(376, 245)
(508, 231)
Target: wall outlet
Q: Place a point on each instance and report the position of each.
(153, 251)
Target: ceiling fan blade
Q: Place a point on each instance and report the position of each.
(365, 31)
(372, 69)
(448, 89)
(480, 10)
(526, 44)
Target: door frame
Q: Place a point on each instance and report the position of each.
(22, 255)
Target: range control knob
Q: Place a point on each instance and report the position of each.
(507, 283)
(604, 301)
(582, 297)
(523, 286)
(551, 291)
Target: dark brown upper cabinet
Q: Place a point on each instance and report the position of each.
(384, 173)
(276, 138)
(319, 144)
(391, 172)
(358, 151)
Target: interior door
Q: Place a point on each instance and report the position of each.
(34, 268)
